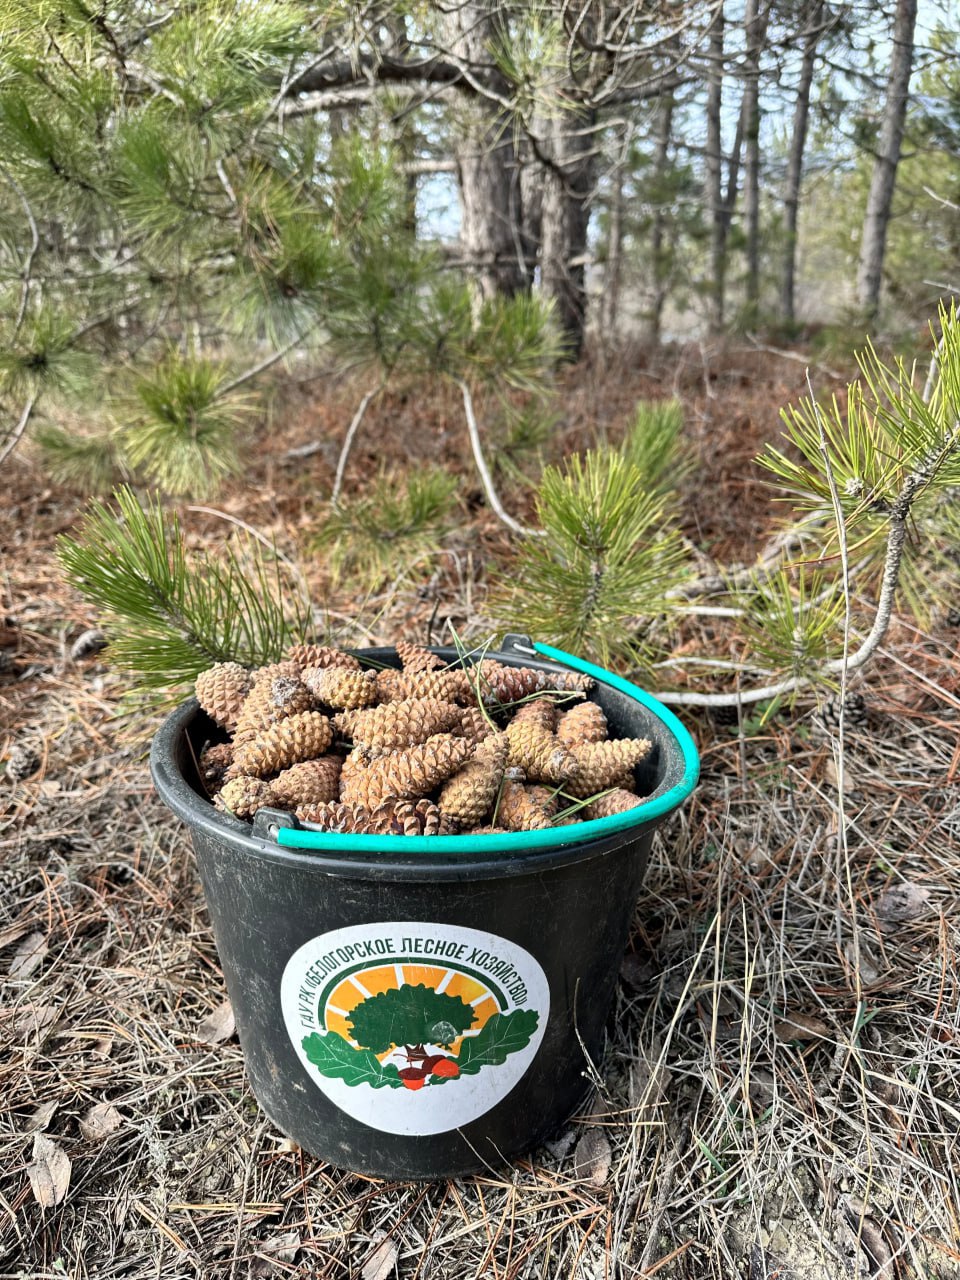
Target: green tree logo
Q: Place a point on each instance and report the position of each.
(416, 1020)
(410, 1016)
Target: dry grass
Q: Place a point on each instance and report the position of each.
(780, 1093)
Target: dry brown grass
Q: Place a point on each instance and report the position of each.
(781, 1087)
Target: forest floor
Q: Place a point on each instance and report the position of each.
(779, 1097)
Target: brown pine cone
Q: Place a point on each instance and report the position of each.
(309, 782)
(404, 774)
(273, 697)
(476, 725)
(518, 811)
(470, 793)
(398, 724)
(416, 658)
(545, 797)
(447, 686)
(582, 723)
(221, 691)
(243, 796)
(500, 683)
(336, 816)
(488, 831)
(604, 764)
(321, 655)
(539, 754)
(538, 711)
(299, 737)
(215, 760)
(393, 818)
(405, 818)
(341, 687)
(617, 801)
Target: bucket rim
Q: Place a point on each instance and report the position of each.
(295, 839)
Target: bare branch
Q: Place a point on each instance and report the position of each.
(485, 478)
(13, 439)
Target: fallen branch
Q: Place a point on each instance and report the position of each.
(13, 439)
(485, 478)
(350, 436)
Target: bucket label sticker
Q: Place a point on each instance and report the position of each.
(414, 1028)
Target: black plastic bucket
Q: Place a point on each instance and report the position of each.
(496, 954)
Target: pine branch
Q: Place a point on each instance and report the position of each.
(167, 617)
(913, 486)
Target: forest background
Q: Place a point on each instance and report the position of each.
(436, 320)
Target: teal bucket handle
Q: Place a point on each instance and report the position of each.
(523, 841)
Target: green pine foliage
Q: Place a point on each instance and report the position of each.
(90, 462)
(793, 620)
(653, 444)
(184, 425)
(396, 525)
(889, 453)
(156, 200)
(167, 615)
(610, 557)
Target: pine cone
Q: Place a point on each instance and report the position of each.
(518, 811)
(545, 797)
(404, 774)
(605, 764)
(446, 686)
(321, 655)
(488, 831)
(398, 724)
(394, 818)
(470, 793)
(273, 697)
(500, 683)
(416, 658)
(854, 707)
(582, 723)
(617, 801)
(475, 725)
(405, 818)
(309, 782)
(337, 816)
(221, 691)
(299, 737)
(541, 712)
(539, 754)
(22, 761)
(243, 796)
(215, 760)
(341, 687)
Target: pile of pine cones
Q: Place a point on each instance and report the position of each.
(424, 750)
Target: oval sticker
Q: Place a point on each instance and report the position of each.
(414, 1028)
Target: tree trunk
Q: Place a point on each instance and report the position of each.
(613, 268)
(714, 168)
(487, 166)
(798, 142)
(880, 199)
(568, 178)
(658, 231)
(755, 26)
